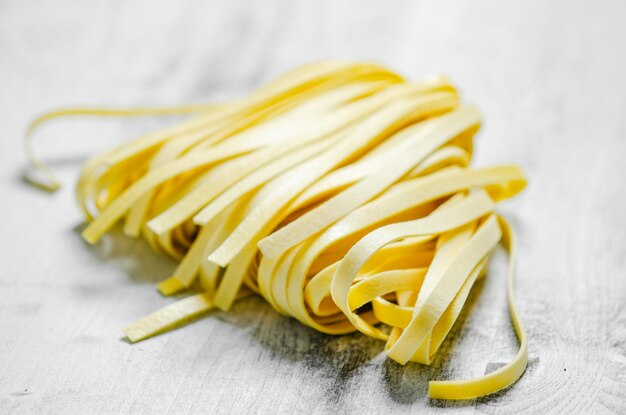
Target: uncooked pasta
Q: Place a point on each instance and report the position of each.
(340, 193)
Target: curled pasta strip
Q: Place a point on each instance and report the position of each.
(340, 193)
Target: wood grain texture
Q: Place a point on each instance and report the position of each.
(549, 77)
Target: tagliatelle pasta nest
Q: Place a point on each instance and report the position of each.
(340, 193)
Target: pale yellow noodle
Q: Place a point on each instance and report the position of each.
(340, 193)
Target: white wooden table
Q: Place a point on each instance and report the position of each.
(550, 78)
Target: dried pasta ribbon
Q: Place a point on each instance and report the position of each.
(49, 181)
(340, 193)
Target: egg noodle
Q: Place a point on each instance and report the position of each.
(340, 193)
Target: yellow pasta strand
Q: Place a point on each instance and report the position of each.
(49, 181)
(340, 193)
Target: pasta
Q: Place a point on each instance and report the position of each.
(340, 193)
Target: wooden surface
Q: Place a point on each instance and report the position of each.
(550, 79)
